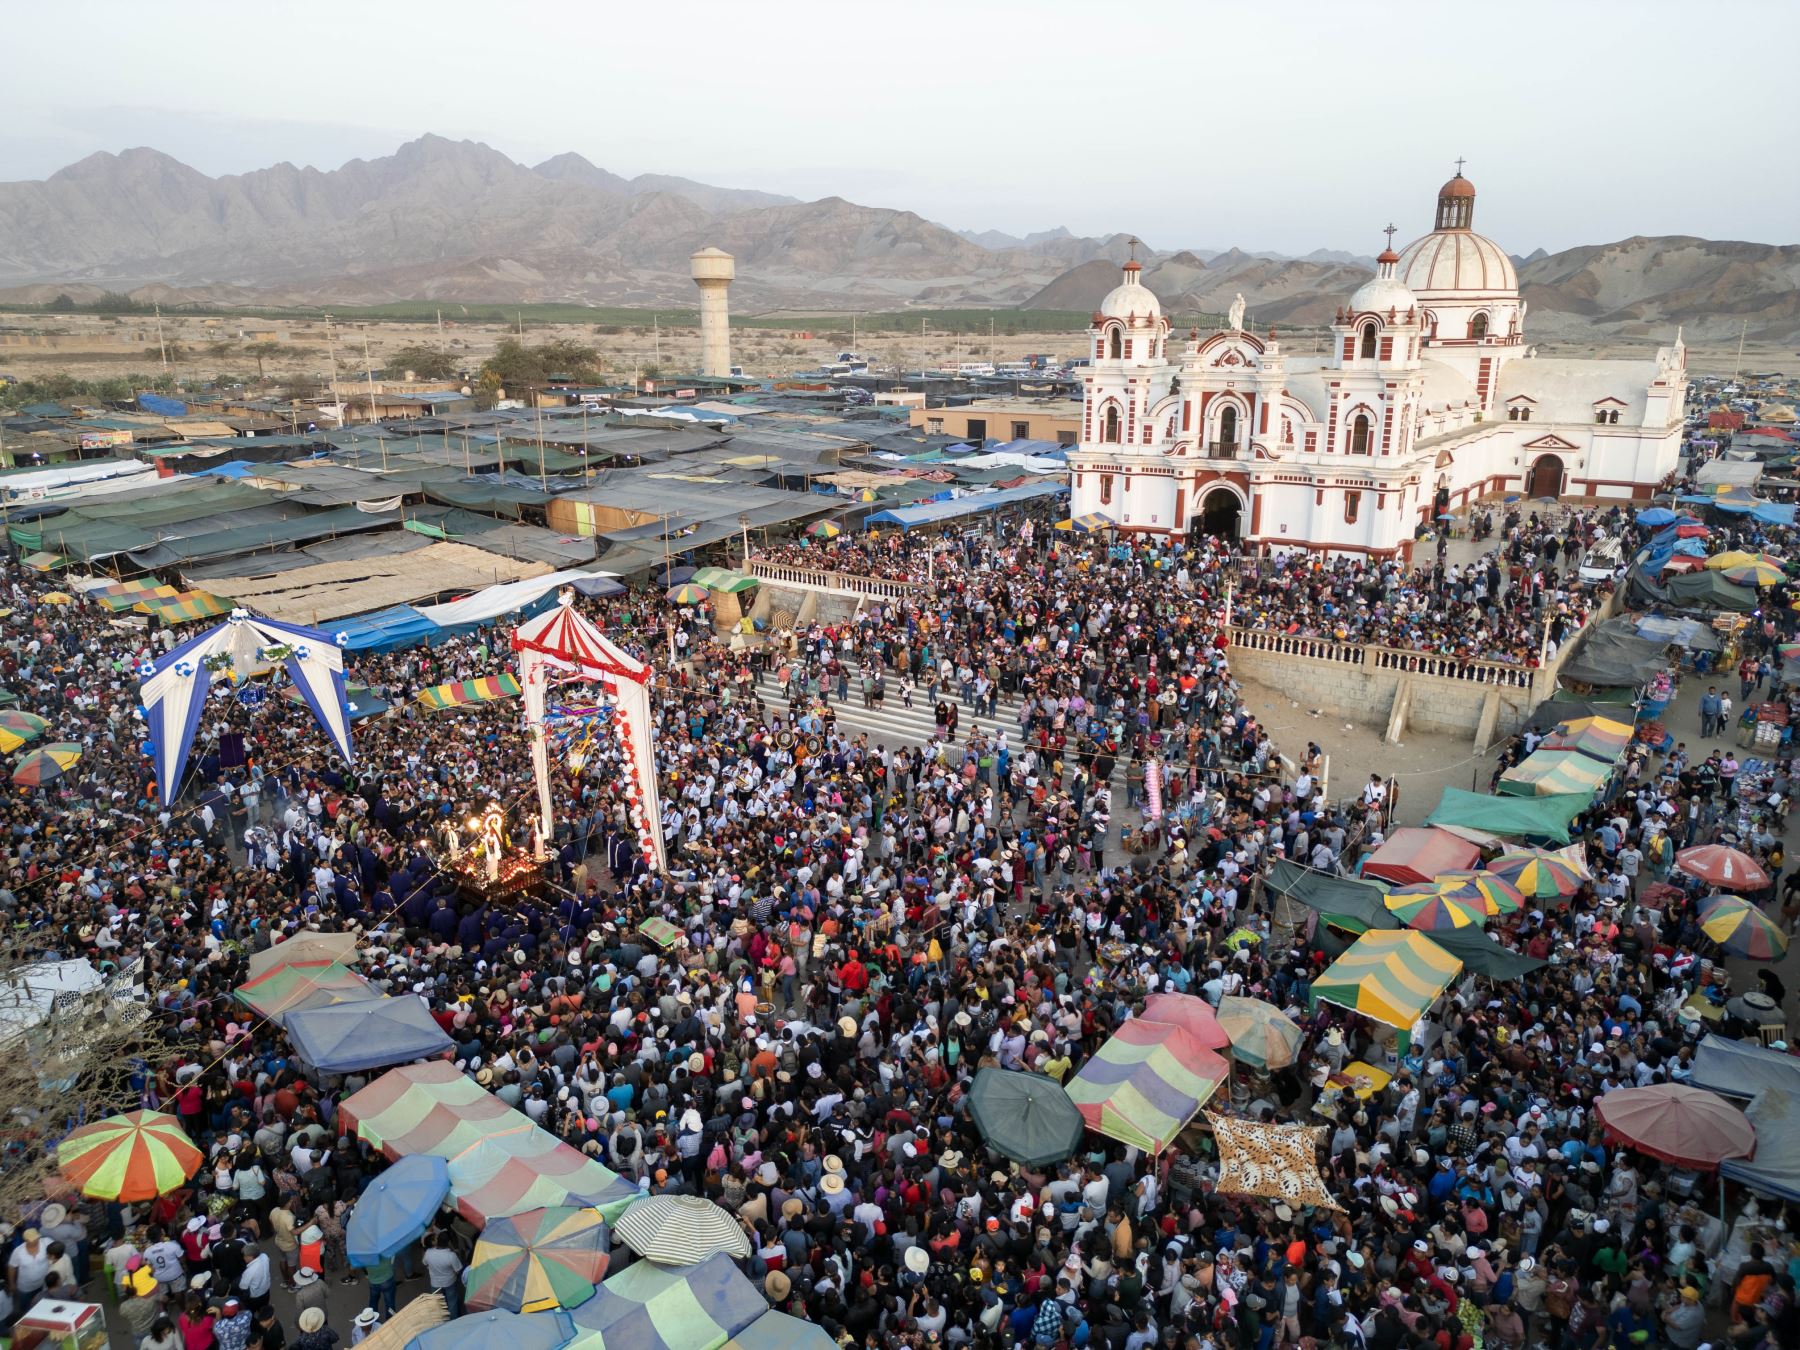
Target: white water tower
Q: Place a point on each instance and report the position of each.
(713, 270)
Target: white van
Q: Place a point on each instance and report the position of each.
(1601, 562)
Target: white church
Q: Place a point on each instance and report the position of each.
(1429, 399)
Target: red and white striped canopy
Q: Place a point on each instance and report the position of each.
(561, 634)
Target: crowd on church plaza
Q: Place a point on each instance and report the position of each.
(903, 916)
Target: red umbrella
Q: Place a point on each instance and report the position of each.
(1194, 1015)
(1659, 893)
(1719, 865)
(1677, 1123)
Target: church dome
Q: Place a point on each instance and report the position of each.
(1447, 261)
(1379, 294)
(1131, 297)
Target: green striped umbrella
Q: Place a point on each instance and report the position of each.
(720, 579)
(132, 1157)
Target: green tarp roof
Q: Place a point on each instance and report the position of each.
(1338, 896)
(1524, 817)
(249, 538)
(1480, 953)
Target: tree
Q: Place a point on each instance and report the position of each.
(426, 362)
(63, 304)
(515, 364)
(68, 1059)
(264, 351)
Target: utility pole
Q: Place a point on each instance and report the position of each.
(543, 481)
(369, 373)
(1742, 333)
(440, 318)
(337, 398)
(656, 341)
(161, 346)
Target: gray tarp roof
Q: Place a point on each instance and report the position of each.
(250, 538)
(1689, 590)
(1614, 657)
(1775, 1167)
(1742, 1068)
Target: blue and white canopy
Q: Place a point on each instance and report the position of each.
(174, 688)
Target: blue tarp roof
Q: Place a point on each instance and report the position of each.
(161, 405)
(238, 468)
(369, 1034)
(386, 630)
(930, 513)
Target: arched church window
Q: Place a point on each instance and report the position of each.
(1228, 426)
(1368, 342)
(1106, 489)
(1352, 502)
(1109, 424)
(1613, 416)
(1116, 345)
(1359, 435)
(1478, 327)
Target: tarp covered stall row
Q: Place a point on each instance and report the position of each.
(936, 513)
(386, 630)
(1514, 817)
(1412, 854)
(325, 592)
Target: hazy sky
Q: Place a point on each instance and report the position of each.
(1278, 126)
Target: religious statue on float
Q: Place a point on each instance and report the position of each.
(490, 841)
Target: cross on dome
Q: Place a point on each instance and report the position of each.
(1389, 232)
(1460, 161)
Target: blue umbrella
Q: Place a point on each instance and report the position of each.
(677, 574)
(486, 1330)
(396, 1208)
(1657, 515)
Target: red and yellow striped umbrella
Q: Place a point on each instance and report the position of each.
(1434, 909)
(132, 1157)
(1495, 894)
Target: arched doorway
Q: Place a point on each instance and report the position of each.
(1220, 515)
(1546, 477)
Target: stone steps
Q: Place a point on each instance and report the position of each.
(895, 724)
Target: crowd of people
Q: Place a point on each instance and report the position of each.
(902, 915)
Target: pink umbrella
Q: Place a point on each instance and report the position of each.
(1677, 1123)
(1194, 1015)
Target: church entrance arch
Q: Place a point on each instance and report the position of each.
(1221, 513)
(1546, 477)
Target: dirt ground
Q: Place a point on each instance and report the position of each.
(213, 347)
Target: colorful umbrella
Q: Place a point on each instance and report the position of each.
(1755, 574)
(1537, 873)
(1145, 1083)
(660, 931)
(687, 594)
(1184, 1010)
(824, 529)
(1683, 1125)
(540, 1259)
(46, 764)
(1496, 895)
(56, 598)
(1737, 557)
(303, 984)
(396, 1208)
(1659, 893)
(1741, 929)
(1262, 1036)
(1722, 865)
(28, 725)
(681, 1230)
(11, 741)
(45, 562)
(1027, 1117)
(1430, 913)
(131, 1158)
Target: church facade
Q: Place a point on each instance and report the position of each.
(1427, 399)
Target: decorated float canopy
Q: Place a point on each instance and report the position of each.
(559, 647)
(174, 689)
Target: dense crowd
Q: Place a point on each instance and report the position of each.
(902, 916)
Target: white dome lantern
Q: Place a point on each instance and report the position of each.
(1131, 299)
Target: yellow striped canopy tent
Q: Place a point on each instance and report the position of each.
(1391, 976)
(1094, 520)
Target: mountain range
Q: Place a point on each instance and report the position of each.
(458, 220)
